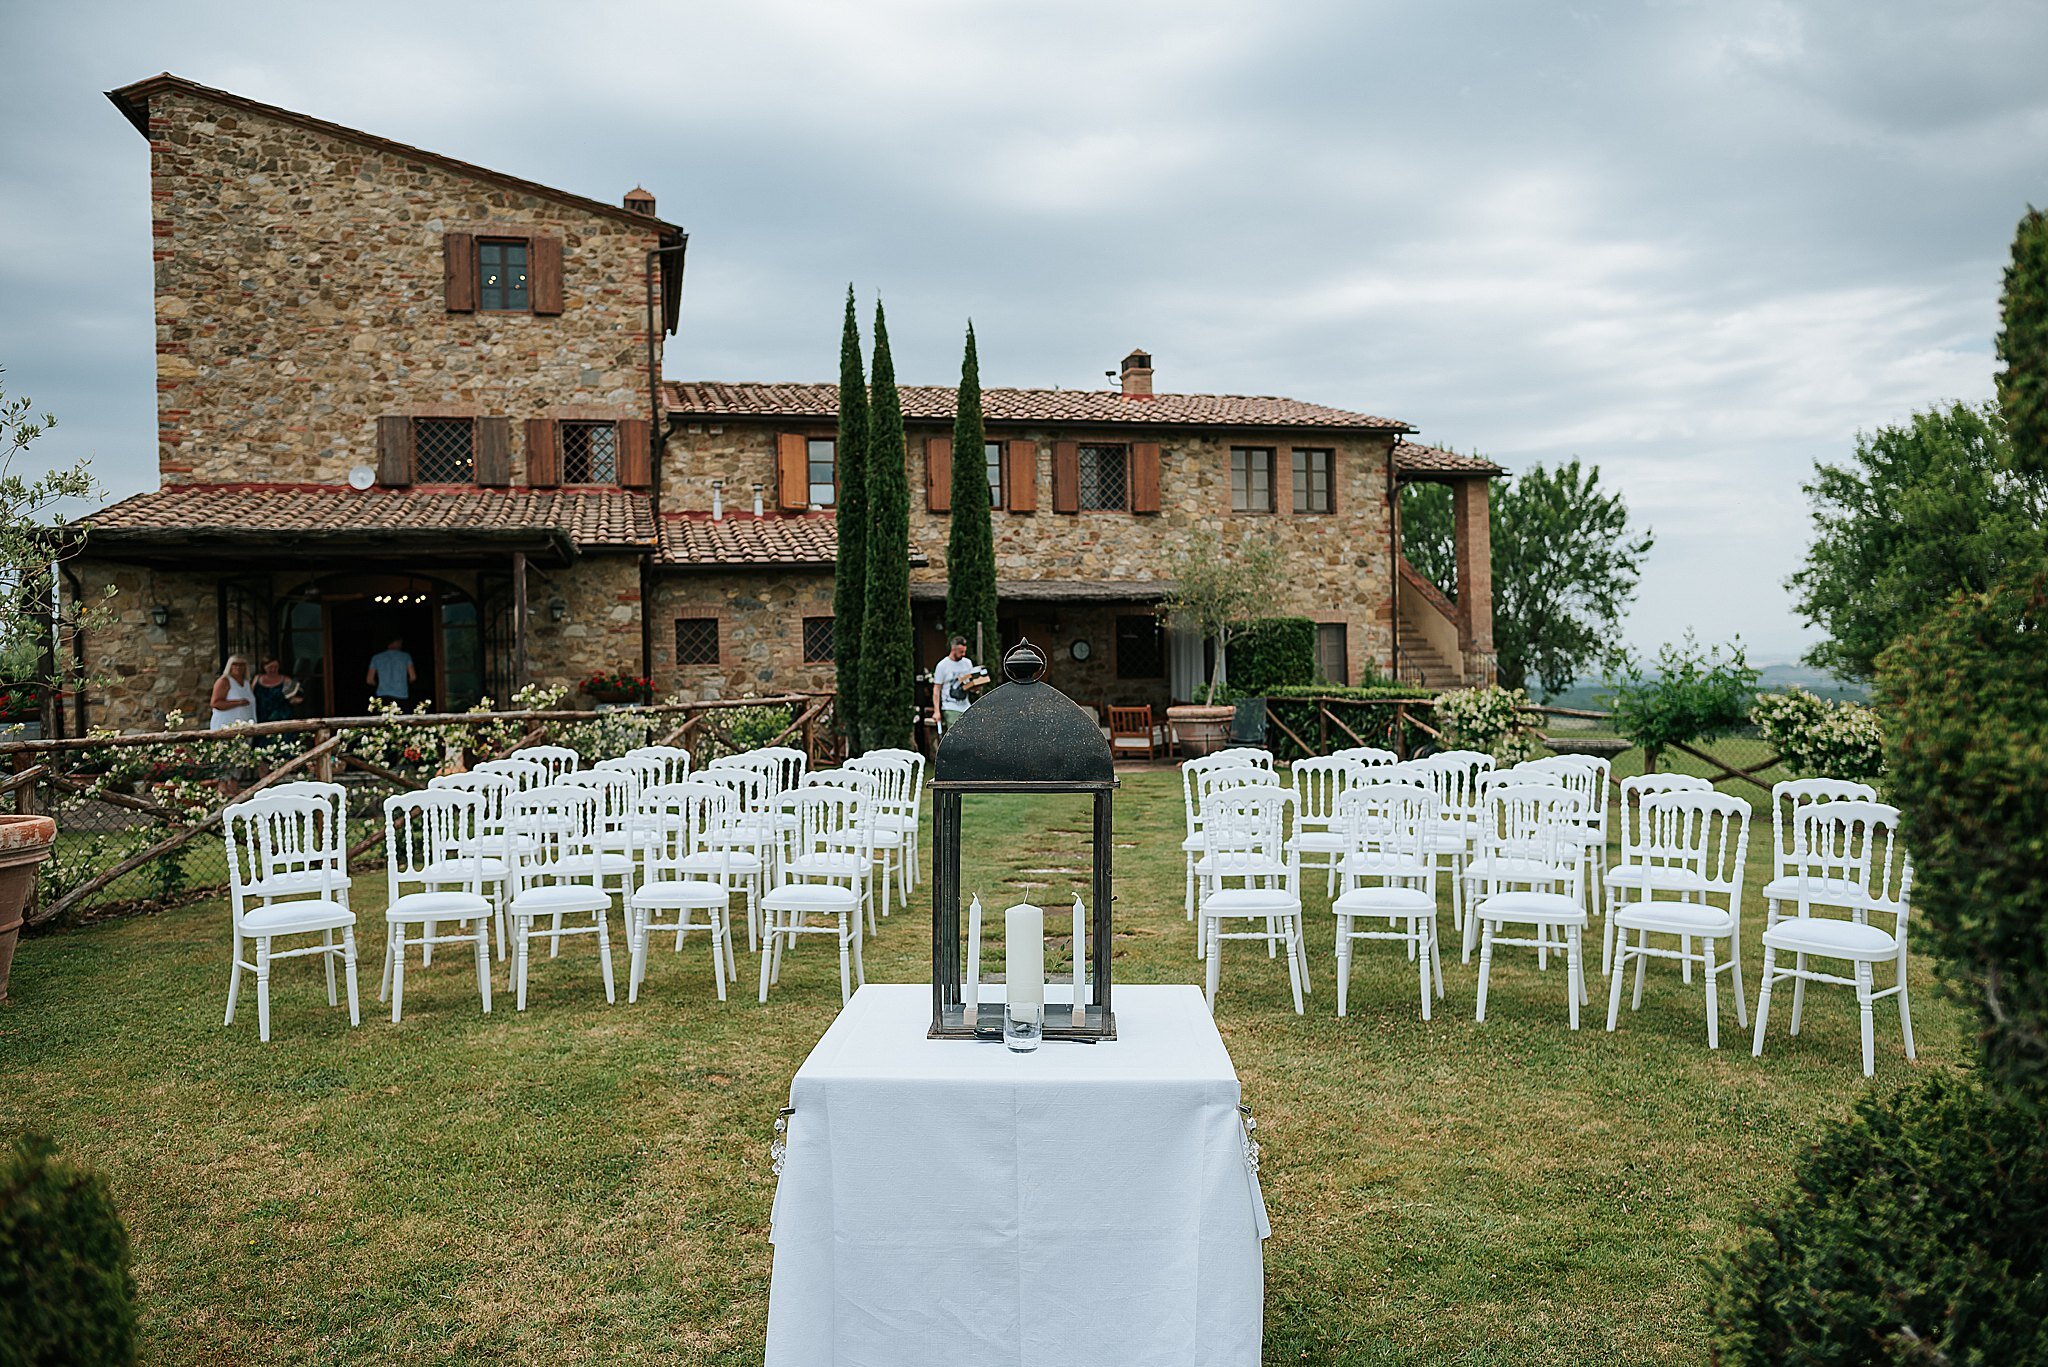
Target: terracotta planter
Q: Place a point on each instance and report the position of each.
(1200, 730)
(24, 843)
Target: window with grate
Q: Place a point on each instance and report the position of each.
(1312, 481)
(817, 640)
(1251, 479)
(1105, 486)
(696, 640)
(590, 453)
(501, 277)
(821, 453)
(443, 450)
(1140, 648)
(992, 456)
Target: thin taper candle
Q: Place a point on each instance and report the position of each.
(1080, 962)
(971, 999)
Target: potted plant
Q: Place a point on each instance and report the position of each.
(1216, 594)
(25, 842)
(619, 688)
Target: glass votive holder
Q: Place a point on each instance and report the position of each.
(1023, 1027)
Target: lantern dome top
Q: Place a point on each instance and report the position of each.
(1024, 735)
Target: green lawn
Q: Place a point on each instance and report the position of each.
(585, 1183)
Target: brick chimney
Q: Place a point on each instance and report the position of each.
(639, 201)
(1137, 373)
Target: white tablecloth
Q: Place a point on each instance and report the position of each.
(950, 1203)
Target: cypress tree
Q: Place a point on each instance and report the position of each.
(970, 546)
(888, 660)
(2023, 345)
(849, 516)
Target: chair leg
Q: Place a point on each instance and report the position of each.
(604, 952)
(1906, 1014)
(1436, 956)
(1415, 928)
(1298, 940)
(555, 941)
(428, 932)
(234, 981)
(327, 962)
(1713, 976)
(1864, 1010)
(1215, 958)
(1614, 985)
(390, 945)
(1763, 1002)
(1295, 976)
(1485, 962)
(263, 988)
(1575, 969)
(845, 954)
(718, 951)
(1685, 961)
(483, 960)
(1344, 966)
(348, 966)
(768, 943)
(1188, 893)
(396, 955)
(860, 969)
(1799, 995)
(522, 950)
(1735, 976)
(1642, 966)
(636, 952)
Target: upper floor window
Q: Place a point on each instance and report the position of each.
(443, 450)
(992, 456)
(1105, 482)
(590, 453)
(1312, 493)
(501, 273)
(1251, 479)
(821, 455)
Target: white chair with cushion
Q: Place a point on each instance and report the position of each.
(826, 876)
(266, 833)
(1248, 873)
(1389, 872)
(1790, 801)
(431, 845)
(288, 871)
(1531, 860)
(1855, 844)
(682, 875)
(1692, 849)
(555, 874)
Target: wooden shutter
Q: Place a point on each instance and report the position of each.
(1066, 477)
(1021, 476)
(494, 452)
(546, 282)
(938, 474)
(543, 454)
(394, 452)
(636, 460)
(1145, 477)
(792, 472)
(458, 271)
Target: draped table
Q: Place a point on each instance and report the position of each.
(951, 1203)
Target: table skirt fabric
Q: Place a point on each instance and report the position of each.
(951, 1203)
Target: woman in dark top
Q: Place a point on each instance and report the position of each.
(276, 691)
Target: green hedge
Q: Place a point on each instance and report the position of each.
(1273, 652)
(66, 1294)
(1363, 710)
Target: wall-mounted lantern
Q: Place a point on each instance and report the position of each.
(161, 615)
(558, 608)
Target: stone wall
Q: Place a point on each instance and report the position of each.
(760, 630)
(600, 628)
(299, 297)
(1337, 566)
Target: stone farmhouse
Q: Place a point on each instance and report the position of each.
(400, 395)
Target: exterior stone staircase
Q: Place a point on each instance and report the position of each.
(1422, 665)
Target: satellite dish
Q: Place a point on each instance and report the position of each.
(361, 477)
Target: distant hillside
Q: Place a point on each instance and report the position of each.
(1591, 693)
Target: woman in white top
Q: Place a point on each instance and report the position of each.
(234, 701)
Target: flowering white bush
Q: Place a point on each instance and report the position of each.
(1818, 738)
(1493, 720)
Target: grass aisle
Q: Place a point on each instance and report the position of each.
(587, 1184)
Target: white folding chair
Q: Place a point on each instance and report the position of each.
(1692, 848)
(1248, 872)
(1528, 852)
(683, 875)
(432, 839)
(1856, 844)
(826, 875)
(1389, 871)
(555, 873)
(297, 834)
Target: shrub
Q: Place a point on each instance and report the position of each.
(1288, 709)
(1969, 710)
(1916, 1233)
(1273, 652)
(1818, 738)
(66, 1294)
(1694, 694)
(750, 729)
(1495, 720)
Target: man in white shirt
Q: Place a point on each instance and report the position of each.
(949, 684)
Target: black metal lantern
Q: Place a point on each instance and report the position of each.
(1022, 737)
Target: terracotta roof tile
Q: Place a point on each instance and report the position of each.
(695, 539)
(719, 399)
(1412, 458)
(590, 517)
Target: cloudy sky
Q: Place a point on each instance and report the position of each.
(1699, 245)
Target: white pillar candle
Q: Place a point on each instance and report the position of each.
(1024, 955)
(971, 998)
(1080, 962)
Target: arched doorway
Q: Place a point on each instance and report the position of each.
(329, 627)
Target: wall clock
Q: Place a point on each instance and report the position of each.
(1080, 650)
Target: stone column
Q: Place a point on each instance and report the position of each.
(1472, 543)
